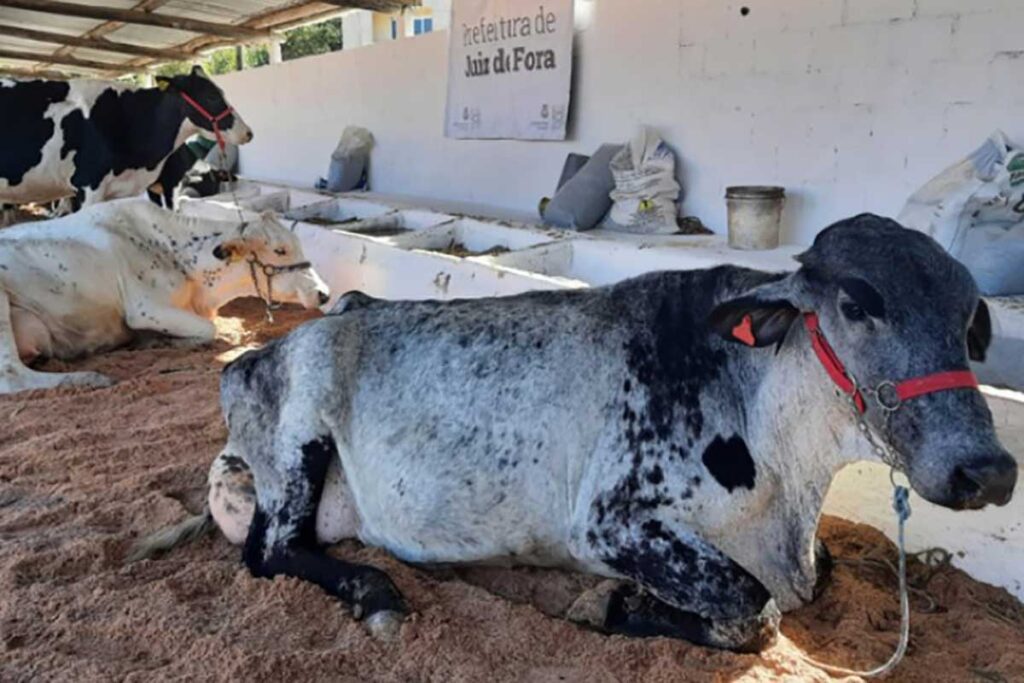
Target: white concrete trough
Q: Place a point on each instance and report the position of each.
(498, 258)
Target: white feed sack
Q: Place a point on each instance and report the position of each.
(975, 210)
(646, 190)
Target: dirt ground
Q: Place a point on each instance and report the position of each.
(84, 472)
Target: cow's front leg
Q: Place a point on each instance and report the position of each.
(152, 316)
(282, 539)
(15, 376)
(684, 588)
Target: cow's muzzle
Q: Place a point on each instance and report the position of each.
(983, 481)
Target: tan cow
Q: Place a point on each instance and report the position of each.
(95, 280)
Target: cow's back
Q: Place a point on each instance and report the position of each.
(66, 137)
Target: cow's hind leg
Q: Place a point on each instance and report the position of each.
(282, 539)
(15, 376)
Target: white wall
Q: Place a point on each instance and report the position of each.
(356, 29)
(851, 104)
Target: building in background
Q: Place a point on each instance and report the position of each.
(362, 27)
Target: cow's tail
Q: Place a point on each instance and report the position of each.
(168, 538)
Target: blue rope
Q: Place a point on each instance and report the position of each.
(901, 506)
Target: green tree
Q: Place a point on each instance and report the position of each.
(256, 56)
(314, 39)
(304, 41)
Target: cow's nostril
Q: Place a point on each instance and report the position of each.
(986, 480)
(324, 297)
(964, 484)
(249, 137)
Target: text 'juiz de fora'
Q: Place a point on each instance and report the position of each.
(506, 60)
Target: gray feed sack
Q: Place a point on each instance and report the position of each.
(573, 163)
(350, 160)
(584, 200)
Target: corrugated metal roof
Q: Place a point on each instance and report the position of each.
(44, 36)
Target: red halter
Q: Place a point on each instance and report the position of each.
(890, 395)
(215, 120)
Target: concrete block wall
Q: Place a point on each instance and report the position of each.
(851, 104)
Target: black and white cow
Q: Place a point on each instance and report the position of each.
(179, 163)
(204, 181)
(99, 140)
(104, 276)
(676, 430)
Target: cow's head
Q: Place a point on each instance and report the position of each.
(195, 88)
(894, 306)
(272, 254)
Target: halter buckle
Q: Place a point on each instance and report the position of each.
(888, 396)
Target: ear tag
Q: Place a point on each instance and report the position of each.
(162, 85)
(745, 332)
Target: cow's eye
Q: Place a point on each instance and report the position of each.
(853, 311)
(281, 251)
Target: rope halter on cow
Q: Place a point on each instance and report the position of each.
(889, 396)
(269, 272)
(214, 120)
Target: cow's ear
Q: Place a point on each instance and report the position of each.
(979, 334)
(753, 321)
(229, 251)
(197, 70)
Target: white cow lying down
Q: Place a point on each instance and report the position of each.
(99, 278)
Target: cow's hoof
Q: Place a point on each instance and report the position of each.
(372, 593)
(385, 626)
(750, 635)
(591, 607)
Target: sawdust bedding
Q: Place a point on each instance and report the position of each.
(84, 473)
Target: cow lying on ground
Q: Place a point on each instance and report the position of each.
(96, 279)
(677, 431)
(98, 140)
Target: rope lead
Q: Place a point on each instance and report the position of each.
(901, 506)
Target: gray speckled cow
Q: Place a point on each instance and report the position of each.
(620, 431)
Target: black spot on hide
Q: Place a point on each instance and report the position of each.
(729, 462)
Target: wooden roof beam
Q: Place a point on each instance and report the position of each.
(91, 43)
(136, 17)
(374, 5)
(105, 67)
(30, 74)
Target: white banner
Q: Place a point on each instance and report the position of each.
(509, 69)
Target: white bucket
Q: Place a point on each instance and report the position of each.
(755, 216)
